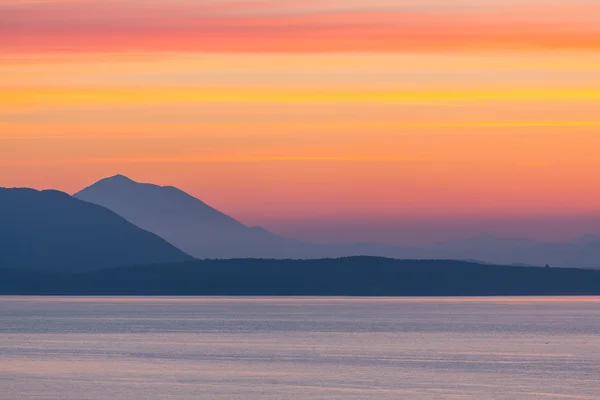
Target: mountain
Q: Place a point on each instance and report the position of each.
(52, 230)
(582, 252)
(205, 232)
(352, 276)
(190, 224)
(485, 242)
(586, 239)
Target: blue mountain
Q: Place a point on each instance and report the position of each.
(188, 223)
(52, 230)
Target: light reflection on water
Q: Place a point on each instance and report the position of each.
(299, 348)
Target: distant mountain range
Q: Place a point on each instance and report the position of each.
(52, 230)
(204, 232)
(120, 222)
(190, 224)
(354, 276)
(582, 252)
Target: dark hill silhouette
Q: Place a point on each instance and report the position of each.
(353, 276)
(52, 230)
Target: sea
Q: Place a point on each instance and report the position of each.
(251, 348)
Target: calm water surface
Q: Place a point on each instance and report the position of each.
(299, 348)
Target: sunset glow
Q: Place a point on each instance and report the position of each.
(283, 111)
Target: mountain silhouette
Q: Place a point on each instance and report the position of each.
(52, 230)
(190, 224)
(352, 276)
(204, 232)
(586, 239)
(485, 242)
(582, 252)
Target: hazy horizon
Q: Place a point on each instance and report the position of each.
(408, 230)
(343, 148)
(328, 120)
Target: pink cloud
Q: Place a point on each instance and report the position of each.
(264, 26)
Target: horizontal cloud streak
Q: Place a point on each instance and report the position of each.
(24, 98)
(352, 108)
(260, 27)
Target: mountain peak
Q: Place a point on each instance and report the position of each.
(117, 183)
(119, 178)
(184, 220)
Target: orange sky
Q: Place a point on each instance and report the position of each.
(276, 112)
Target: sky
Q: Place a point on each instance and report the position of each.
(389, 120)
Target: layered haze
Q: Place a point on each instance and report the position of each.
(207, 233)
(403, 122)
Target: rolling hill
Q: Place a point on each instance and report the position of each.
(54, 231)
(351, 276)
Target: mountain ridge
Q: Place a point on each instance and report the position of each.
(51, 228)
(189, 223)
(205, 232)
(348, 276)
